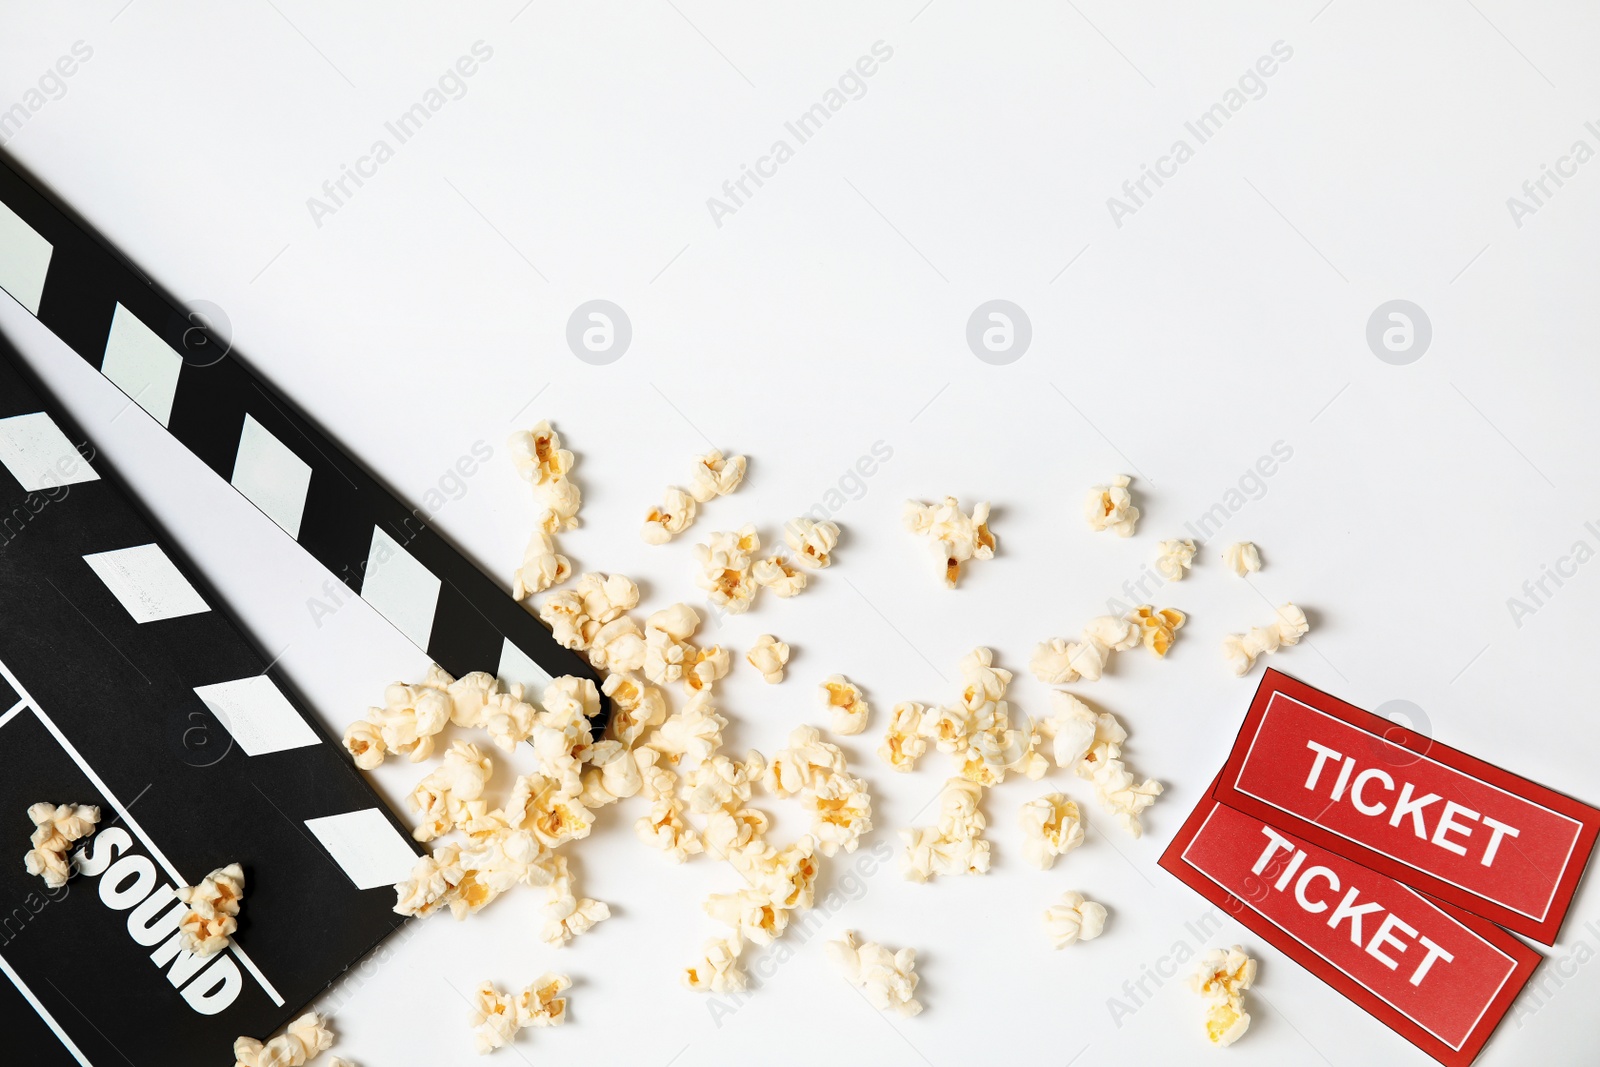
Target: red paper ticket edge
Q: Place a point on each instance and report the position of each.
(1544, 931)
(1525, 958)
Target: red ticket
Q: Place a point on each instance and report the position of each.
(1457, 828)
(1439, 976)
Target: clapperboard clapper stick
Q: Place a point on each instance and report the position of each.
(125, 682)
(170, 364)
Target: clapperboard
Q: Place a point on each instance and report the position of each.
(126, 682)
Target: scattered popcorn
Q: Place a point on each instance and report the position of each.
(1222, 978)
(1110, 507)
(904, 743)
(56, 827)
(1059, 661)
(1242, 558)
(719, 971)
(299, 1043)
(1051, 827)
(768, 655)
(1091, 744)
(674, 515)
(725, 569)
(1074, 919)
(1241, 650)
(752, 916)
(776, 573)
(213, 909)
(717, 784)
(954, 536)
(1157, 628)
(1174, 558)
(811, 541)
(542, 567)
(887, 978)
(715, 476)
(846, 706)
(496, 1018)
(954, 845)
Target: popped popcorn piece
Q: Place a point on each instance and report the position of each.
(888, 979)
(805, 764)
(617, 646)
(635, 707)
(718, 971)
(1242, 558)
(213, 909)
(364, 741)
(715, 476)
(775, 573)
(299, 1043)
(1174, 558)
(903, 743)
(566, 915)
(1059, 661)
(542, 567)
(560, 502)
(674, 515)
(1226, 1021)
(725, 569)
(449, 796)
(1051, 827)
(1223, 973)
(954, 845)
(729, 831)
(541, 1004)
(786, 876)
(1241, 650)
(716, 784)
(703, 667)
(768, 655)
(55, 828)
(469, 695)
(611, 774)
(953, 536)
(1222, 977)
(576, 615)
(753, 917)
(1074, 919)
(811, 541)
(666, 828)
(1110, 507)
(494, 1019)
(847, 708)
(841, 813)
(538, 454)
(1157, 628)
(545, 808)
(406, 725)
(432, 883)
(695, 731)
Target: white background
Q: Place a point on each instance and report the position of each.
(828, 313)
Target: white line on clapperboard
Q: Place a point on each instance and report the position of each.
(127, 817)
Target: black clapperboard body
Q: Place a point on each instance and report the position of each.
(126, 682)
